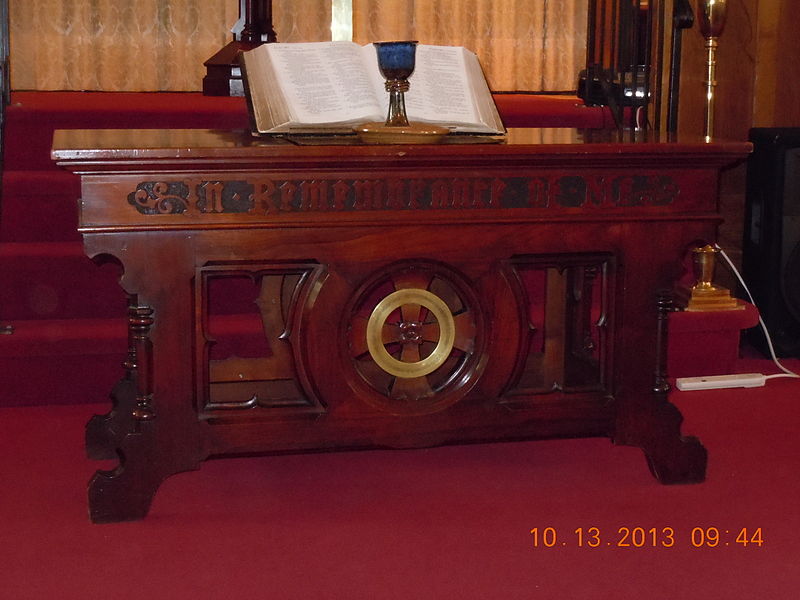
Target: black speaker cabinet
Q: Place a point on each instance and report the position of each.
(771, 247)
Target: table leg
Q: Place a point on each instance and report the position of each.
(126, 492)
(673, 458)
(104, 433)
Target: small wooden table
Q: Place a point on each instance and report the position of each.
(304, 296)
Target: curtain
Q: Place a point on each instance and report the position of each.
(136, 45)
(160, 45)
(535, 45)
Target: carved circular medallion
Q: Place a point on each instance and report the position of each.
(414, 337)
(411, 332)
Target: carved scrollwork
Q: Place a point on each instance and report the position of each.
(159, 197)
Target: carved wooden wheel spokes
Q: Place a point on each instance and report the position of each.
(412, 334)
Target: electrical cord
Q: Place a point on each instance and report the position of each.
(786, 372)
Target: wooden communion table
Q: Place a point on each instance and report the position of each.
(302, 296)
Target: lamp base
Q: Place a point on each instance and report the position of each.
(707, 299)
(413, 133)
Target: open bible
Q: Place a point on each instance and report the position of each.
(321, 87)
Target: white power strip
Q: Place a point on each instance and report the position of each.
(715, 382)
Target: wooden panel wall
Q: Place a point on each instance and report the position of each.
(776, 101)
(758, 70)
(758, 76)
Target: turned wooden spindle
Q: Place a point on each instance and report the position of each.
(140, 319)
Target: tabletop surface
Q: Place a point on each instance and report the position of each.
(144, 144)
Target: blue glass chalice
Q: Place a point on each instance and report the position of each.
(396, 61)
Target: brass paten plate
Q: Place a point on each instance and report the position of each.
(414, 133)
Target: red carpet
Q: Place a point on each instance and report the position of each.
(441, 523)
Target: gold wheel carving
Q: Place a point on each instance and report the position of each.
(414, 337)
(411, 333)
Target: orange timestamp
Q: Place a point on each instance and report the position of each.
(648, 537)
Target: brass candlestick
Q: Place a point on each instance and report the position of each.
(712, 23)
(705, 294)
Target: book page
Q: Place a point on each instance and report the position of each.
(439, 87)
(481, 94)
(325, 82)
(267, 104)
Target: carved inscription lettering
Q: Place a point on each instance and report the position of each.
(265, 196)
